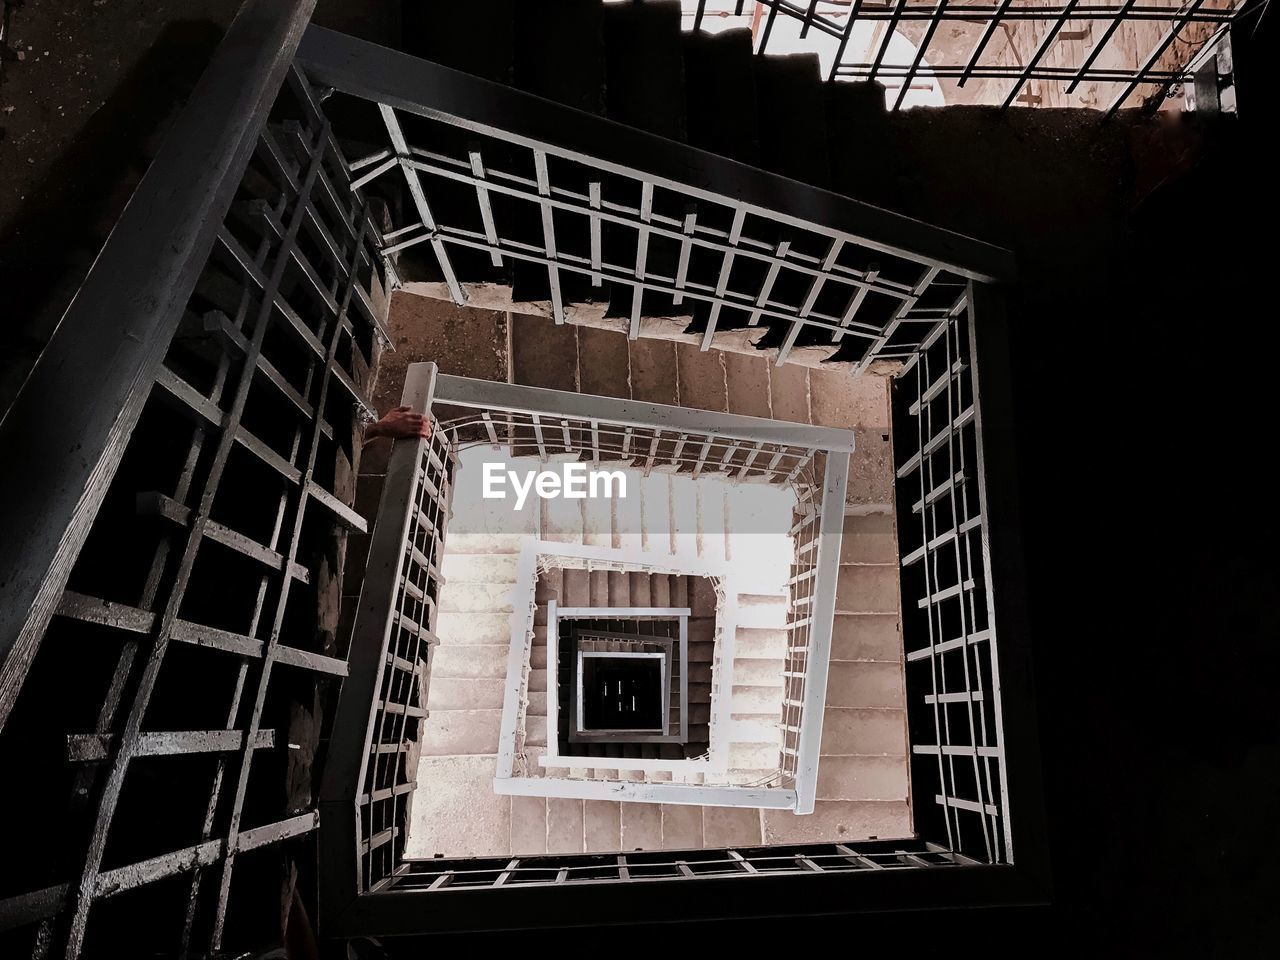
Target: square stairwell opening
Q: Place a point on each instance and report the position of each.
(620, 693)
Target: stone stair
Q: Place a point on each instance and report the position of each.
(540, 826)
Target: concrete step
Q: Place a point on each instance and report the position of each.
(604, 366)
(561, 521)
(702, 630)
(476, 597)
(755, 699)
(762, 643)
(599, 587)
(702, 599)
(564, 825)
(863, 685)
(470, 660)
(543, 353)
(747, 379)
(655, 491)
(862, 778)
(462, 732)
(602, 826)
(466, 693)
(619, 589)
(641, 826)
(653, 370)
(577, 588)
(478, 568)
(760, 612)
(550, 585)
(753, 755)
(681, 827)
(789, 392)
(857, 116)
(792, 117)
(866, 588)
(538, 677)
(638, 588)
(684, 515)
(721, 95)
(660, 591)
(839, 820)
(701, 375)
(637, 36)
(866, 636)
(754, 728)
(535, 729)
(701, 651)
(560, 55)
(761, 673)
(455, 627)
(528, 826)
(852, 732)
(460, 815)
(869, 538)
(730, 826)
(487, 543)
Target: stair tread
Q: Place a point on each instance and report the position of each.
(637, 36)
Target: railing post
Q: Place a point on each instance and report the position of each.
(67, 429)
(353, 725)
(822, 611)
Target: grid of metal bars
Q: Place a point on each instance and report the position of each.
(440, 874)
(204, 570)
(953, 682)
(1134, 49)
(804, 568)
(592, 236)
(393, 636)
(639, 446)
(542, 423)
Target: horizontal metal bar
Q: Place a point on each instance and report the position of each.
(97, 746)
(688, 794)
(121, 879)
(133, 620)
(513, 398)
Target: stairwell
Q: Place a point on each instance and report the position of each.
(863, 781)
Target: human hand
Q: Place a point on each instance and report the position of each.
(400, 424)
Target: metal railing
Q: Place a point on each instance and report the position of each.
(539, 423)
(169, 577)
(953, 671)
(372, 765)
(597, 213)
(1005, 45)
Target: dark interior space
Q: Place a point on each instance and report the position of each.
(1142, 351)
